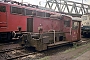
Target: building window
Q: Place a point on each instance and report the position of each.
(84, 17)
(2, 8)
(67, 23)
(89, 17)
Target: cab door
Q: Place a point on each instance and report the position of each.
(67, 28)
(75, 30)
(3, 16)
(29, 24)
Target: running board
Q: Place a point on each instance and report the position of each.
(58, 44)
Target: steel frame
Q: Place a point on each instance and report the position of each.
(68, 6)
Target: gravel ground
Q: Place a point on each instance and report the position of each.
(71, 53)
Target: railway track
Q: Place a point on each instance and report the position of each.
(11, 51)
(84, 41)
(17, 52)
(14, 55)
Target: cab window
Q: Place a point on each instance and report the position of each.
(67, 23)
(75, 25)
(48, 14)
(2, 8)
(41, 14)
(28, 12)
(17, 10)
(14, 9)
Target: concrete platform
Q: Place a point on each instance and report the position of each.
(85, 56)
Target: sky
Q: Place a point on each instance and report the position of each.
(35, 2)
(42, 2)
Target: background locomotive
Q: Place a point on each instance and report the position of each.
(39, 28)
(85, 28)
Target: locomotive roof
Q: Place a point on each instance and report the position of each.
(41, 9)
(76, 18)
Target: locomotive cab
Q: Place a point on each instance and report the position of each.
(76, 29)
(72, 28)
(3, 16)
(4, 35)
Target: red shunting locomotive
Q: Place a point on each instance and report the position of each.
(37, 28)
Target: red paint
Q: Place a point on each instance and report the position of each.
(10, 22)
